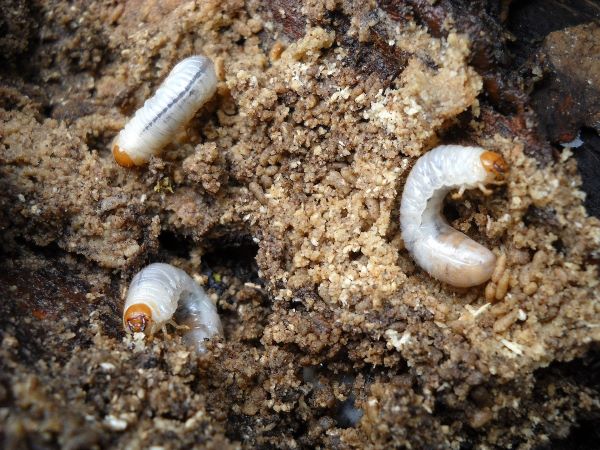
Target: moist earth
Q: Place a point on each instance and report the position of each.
(281, 198)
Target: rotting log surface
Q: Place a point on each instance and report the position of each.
(294, 371)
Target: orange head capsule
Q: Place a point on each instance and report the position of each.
(121, 157)
(137, 318)
(494, 165)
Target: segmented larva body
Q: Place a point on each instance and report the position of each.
(191, 83)
(157, 291)
(445, 253)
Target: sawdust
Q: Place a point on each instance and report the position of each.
(303, 156)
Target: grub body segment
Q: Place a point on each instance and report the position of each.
(160, 290)
(445, 253)
(190, 84)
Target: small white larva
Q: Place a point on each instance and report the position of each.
(445, 253)
(157, 291)
(191, 83)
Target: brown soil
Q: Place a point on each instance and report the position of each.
(282, 196)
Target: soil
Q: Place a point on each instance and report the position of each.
(281, 197)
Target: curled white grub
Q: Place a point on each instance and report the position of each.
(445, 253)
(157, 291)
(191, 83)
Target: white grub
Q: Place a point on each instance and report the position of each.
(157, 291)
(191, 83)
(445, 253)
